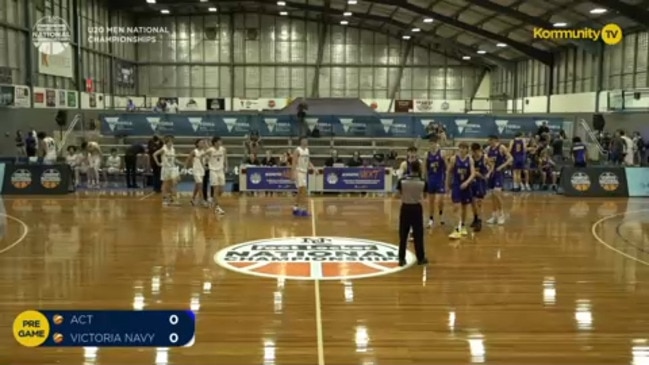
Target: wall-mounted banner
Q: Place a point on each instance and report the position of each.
(57, 64)
(594, 182)
(6, 75)
(403, 106)
(269, 178)
(36, 179)
(7, 96)
(354, 179)
(215, 104)
(269, 124)
(249, 104)
(125, 74)
(22, 97)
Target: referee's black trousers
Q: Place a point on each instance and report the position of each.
(411, 217)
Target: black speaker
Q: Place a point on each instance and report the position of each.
(61, 117)
(598, 122)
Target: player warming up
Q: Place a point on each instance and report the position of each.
(518, 150)
(217, 163)
(435, 171)
(93, 162)
(479, 186)
(47, 148)
(300, 170)
(195, 161)
(498, 158)
(169, 174)
(460, 177)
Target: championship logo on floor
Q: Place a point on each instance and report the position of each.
(312, 258)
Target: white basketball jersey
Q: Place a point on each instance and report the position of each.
(197, 164)
(50, 148)
(216, 161)
(302, 159)
(113, 162)
(168, 157)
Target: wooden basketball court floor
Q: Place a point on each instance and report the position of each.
(564, 281)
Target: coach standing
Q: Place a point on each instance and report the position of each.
(412, 190)
(154, 145)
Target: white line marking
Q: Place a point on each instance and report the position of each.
(147, 196)
(22, 236)
(593, 230)
(318, 303)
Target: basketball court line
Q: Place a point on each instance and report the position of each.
(22, 236)
(318, 302)
(593, 231)
(147, 196)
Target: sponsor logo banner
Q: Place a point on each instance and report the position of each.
(269, 179)
(35, 179)
(594, 182)
(270, 124)
(354, 179)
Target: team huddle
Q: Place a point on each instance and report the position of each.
(468, 175)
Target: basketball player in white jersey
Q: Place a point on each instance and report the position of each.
(93, 161)
(169, 174)
(217, 162)
(47, 148)
(301, 165)
(196, 163)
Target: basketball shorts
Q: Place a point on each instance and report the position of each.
(519, 164)
(461, 196)
(94, 162)
(48, 160)
(628, 159)
(169, 173)
(301, 179)
(496, 180)
(112, 170)
(479, 189)
(217, 178)
(435, 186)
(199, 175)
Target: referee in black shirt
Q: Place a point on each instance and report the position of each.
(412, 190)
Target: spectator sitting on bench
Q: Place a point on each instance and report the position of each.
(113, 164)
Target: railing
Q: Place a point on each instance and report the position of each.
(64, 138)
(590, 138)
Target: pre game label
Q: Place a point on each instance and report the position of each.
(105, 328)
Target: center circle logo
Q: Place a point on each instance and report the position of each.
(21, 179)
(51, 35)
(313, 258)
(580, 181)
(51, 178)
(609, 181)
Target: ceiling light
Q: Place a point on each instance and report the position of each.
(501, 45)
(466, 57)
(212, 10)
(281, 3)
(560, 25)
(344, 22)
(428, 20)
(150, 1)
(416, 30)
(598, 11)
(283, 13)
(406, 37)
(352, 2)
(347, 13)
(203, 1)
(482, 52)
(164, 11)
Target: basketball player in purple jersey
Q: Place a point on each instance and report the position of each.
(435, 172)
(498, 158)
(460, 176)
(518, 150)
(479, 186)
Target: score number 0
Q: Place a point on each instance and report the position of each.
(173, 320)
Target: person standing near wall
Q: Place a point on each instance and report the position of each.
(412, 191)
(130, 164)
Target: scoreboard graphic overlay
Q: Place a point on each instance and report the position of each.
(105, 328)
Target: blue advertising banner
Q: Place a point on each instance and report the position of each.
(268, 124)
(637, 179)
(354, 178)
(269, 179)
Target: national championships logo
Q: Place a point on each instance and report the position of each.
(51, 35)
(312, 258)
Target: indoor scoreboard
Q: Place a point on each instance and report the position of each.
(67, 328)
